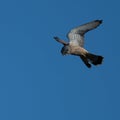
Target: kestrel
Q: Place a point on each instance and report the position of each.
(75, 46)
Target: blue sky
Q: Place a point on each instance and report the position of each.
(37, 82)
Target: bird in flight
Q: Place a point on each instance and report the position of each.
(75, 46)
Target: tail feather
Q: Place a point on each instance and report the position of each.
(85, 60)
(95, 59)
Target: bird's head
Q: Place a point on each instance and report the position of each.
(65, 50)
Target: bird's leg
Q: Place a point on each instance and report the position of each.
(61, 41)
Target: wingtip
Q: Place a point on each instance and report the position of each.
(55, 37)
(100, 21)
(60, 41)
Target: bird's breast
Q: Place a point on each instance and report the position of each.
(77, 50)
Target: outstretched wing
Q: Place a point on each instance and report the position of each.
(60, 41)
(76, 35)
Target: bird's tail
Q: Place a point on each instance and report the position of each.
(94, 59)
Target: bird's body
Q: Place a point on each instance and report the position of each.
(77, 50)
(76, 44)
(73, 39)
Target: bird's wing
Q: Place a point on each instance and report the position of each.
(76, 35)
(86, 27)
(60, 41)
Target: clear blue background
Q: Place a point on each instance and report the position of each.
(37, 82)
